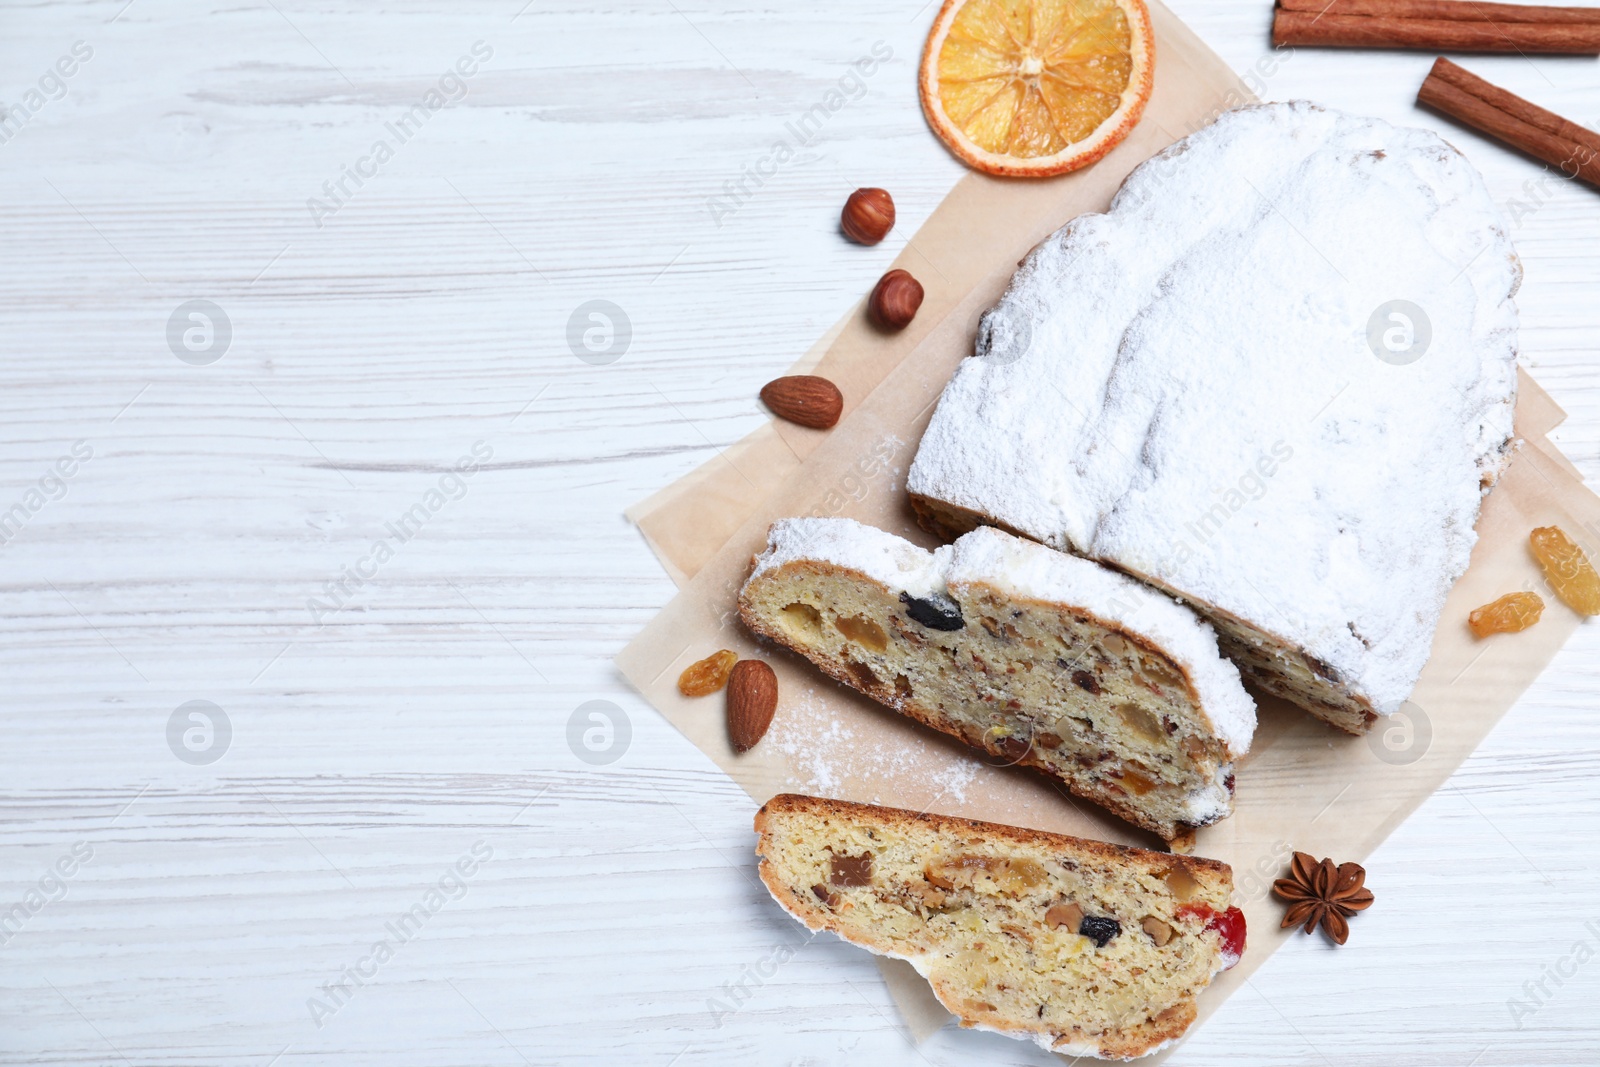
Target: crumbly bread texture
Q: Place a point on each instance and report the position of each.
(1275, 379)
(1087, 948)
(1038, 658)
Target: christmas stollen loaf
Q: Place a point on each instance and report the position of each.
(1275, 379)
(1038, 658)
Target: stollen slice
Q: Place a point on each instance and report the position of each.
(1037, 658)
(1087, 948)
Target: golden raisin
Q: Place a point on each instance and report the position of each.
(1567, 569)
(1512, 612)
(707, 676)
(863, 631)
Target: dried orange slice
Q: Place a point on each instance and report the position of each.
(1031, 88)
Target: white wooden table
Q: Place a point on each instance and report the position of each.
(379, 733)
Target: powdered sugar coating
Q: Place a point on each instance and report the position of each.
(1026, 569)
(1184, 386)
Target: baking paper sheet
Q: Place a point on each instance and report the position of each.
(1304, 786)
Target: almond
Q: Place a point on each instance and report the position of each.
(752, 700)
(805, 399)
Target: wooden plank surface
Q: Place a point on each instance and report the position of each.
(417, 717)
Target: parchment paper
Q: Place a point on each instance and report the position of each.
(1304, 785)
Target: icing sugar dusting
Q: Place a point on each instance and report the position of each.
(1202, 385)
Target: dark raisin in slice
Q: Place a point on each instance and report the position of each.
(1012, 748)
(851, 870)
(936, 613)
(1086, 681)
(1099, 929)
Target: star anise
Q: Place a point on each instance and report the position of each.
(1323, 893)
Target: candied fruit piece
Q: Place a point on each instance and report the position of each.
(708, 675)
(1512, 612)
(1230, 924)
(1567, 569)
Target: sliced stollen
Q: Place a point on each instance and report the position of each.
(1087, 948)
(1039, 658)
(1275, 379)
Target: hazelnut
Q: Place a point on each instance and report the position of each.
(867, 216)
(895, 300)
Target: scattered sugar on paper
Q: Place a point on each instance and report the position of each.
(822, 754)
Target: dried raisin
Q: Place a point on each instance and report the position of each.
(850, 870)
(1099, 929)
(708, 675)
(1512, 612)
(936, 612)
(1567, 569)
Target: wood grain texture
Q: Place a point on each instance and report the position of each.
(374, 747)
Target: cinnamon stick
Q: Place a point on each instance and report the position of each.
(1491, 110)
(1454, 10)
(1434, 35)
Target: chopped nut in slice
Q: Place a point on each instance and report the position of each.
(1509, 614)
(708, 675)
(1159, 931)
(1567, 569)
(1068, 915)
